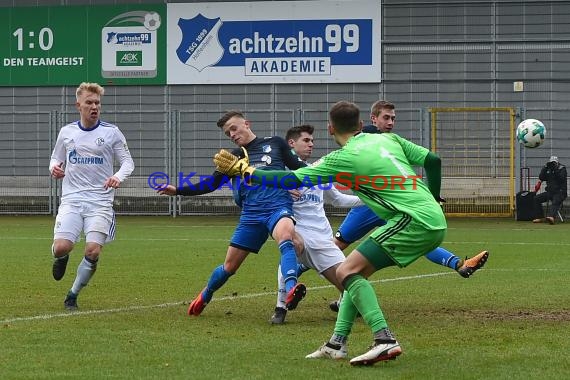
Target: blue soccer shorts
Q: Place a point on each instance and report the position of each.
(251, 233)
(358, 222)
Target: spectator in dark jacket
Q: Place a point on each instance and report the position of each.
(554, 174)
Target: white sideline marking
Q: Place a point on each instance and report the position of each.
(172, 304)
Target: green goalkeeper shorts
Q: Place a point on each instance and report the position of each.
(401, 240)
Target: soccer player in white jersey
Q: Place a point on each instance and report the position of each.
(83, 157)
(319, 252)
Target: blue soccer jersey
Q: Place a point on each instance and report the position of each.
(261, 206)
(269, 153)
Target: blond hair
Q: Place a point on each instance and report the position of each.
(89, 87)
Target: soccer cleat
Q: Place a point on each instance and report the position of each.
(471, 265)
(278, 318)
(380, 351)
(295, 295)
(197, 305)
(329, 351)
(385, 347)
(70, 302)
(59, 266)
(334, 306)
(538, 220)
(550, 220)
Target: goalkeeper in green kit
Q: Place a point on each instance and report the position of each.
(378, 168)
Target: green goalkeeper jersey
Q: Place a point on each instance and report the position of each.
(378, 168)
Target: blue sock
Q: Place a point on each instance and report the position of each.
(288, 264)
(217, 279)
(443, 257)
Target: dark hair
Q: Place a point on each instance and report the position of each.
(227, 116)
(295, 132)
(345, 116)
(380, 105)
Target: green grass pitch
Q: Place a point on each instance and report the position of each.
(511, 320)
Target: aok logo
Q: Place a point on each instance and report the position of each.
(129, 58)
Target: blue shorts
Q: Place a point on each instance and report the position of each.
(252, 232)
(358, 222)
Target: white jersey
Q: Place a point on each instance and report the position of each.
(309, 208)
(88, 156)
(319, 251)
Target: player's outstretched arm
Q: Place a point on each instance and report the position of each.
(167, 190)
(232, 165)
(207, 185)
(432, 165)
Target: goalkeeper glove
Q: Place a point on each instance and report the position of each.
(232, 165)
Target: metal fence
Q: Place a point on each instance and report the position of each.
(175, 143)
(178, 143)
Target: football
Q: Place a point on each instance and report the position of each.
(531, 133)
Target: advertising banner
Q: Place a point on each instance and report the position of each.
(274, 42)
(43, 46)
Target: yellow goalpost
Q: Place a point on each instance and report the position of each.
(477, 148)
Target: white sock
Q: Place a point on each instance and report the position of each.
(281, 292)
(85, 271)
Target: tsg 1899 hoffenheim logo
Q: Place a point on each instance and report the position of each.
(200, 46)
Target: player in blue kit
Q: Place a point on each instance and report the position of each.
(265, 210)
(361, 220)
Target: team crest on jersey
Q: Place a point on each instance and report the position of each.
(100, 141)
(266, 148)
(267, 159)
